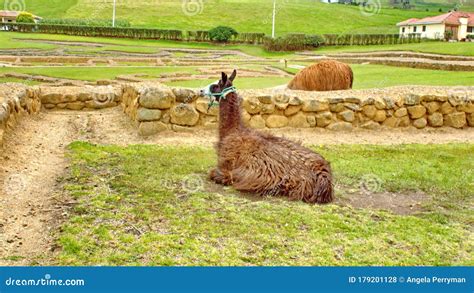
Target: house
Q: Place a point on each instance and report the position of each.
(459, 24)
(10, 16)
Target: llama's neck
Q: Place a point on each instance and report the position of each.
(229, 115)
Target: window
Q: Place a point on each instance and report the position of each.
(470, 29)
(424, 28)
(414, 29)
(403, 29)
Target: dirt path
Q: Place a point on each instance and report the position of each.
(33, 160)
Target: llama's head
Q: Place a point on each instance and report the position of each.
(221, 88)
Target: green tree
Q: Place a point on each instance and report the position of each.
(25, 17)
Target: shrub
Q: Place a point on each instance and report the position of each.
(25, 17)
(222, 33)
(293, 42)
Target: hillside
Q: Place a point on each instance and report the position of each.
(309, 16)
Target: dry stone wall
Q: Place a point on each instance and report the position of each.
(16, 101)
(154, 107)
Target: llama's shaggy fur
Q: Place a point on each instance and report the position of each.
(256, 162)
(327, 75)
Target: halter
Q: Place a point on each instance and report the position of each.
(213, 96)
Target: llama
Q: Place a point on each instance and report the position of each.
(261, 163)
(327, 75)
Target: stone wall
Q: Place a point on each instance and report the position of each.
(16, 101)
(79, 97)
(155, 108)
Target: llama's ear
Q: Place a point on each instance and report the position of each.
(233, 75)
(224, 78)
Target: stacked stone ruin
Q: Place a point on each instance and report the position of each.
(154, 107)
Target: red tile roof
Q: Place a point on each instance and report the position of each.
(447, 18)
(6, 13)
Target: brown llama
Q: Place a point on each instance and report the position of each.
(327, 75)
(261, 163)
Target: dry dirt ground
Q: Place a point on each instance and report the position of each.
(33, 160)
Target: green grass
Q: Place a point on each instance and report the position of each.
(245, 15)
(459, 48)
(152, 205)
(366, 76)
(11, 79)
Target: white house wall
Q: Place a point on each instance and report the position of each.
(433, 31)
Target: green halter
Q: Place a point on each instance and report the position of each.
(222, 95)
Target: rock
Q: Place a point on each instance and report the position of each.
(404, 121)
(380, 104)
(156, 98)
(390, 103)
(252, 105)
(456, 120)
(311, 120)
(282, 99)
(185, 95)
(267, 108)
(352, 107)
(416, 112)
(246, 117)
(202, 105)
(369, 111)
(468, 108)
(435, 119)
(353, 100)
(323, 119)
(346, 116)
(340, 126)
(335, 100)
(75, 106)
(144, 114)
(298, 121)
(370, 125)
(265, 99)
(367, 101)
(446, 108)
(391, 122)
(432, 107)
(380, 116)
(49, 106)
(412, 99)
(295, 101)
(420, 123)
(401, 112)
(257, 122)
(184, 115)
(336, 108)
(455, 100)
(178, 128)
(150, 128)
(52, 98)
(277, 121)
(291, 110)
(315, 106)
(470, 119)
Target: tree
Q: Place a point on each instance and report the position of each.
(222, 33)
(25, 17)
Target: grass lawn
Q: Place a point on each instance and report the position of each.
(459, 48)
(243, 15)
(366, 76)
(152, 205)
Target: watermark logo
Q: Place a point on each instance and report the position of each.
(103, 99)
(190, 184)
(370, 7)
(370, 183)
(15, 184)
(14, 5)
(192, 7)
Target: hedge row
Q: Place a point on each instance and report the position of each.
(296, 41)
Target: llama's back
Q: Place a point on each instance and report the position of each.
(270, 165)
(326, 75)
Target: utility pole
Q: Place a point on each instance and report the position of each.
(273, 23)
(113, 15)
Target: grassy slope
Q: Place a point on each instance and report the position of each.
(139, 205)
(367, 76)
(244, 15)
